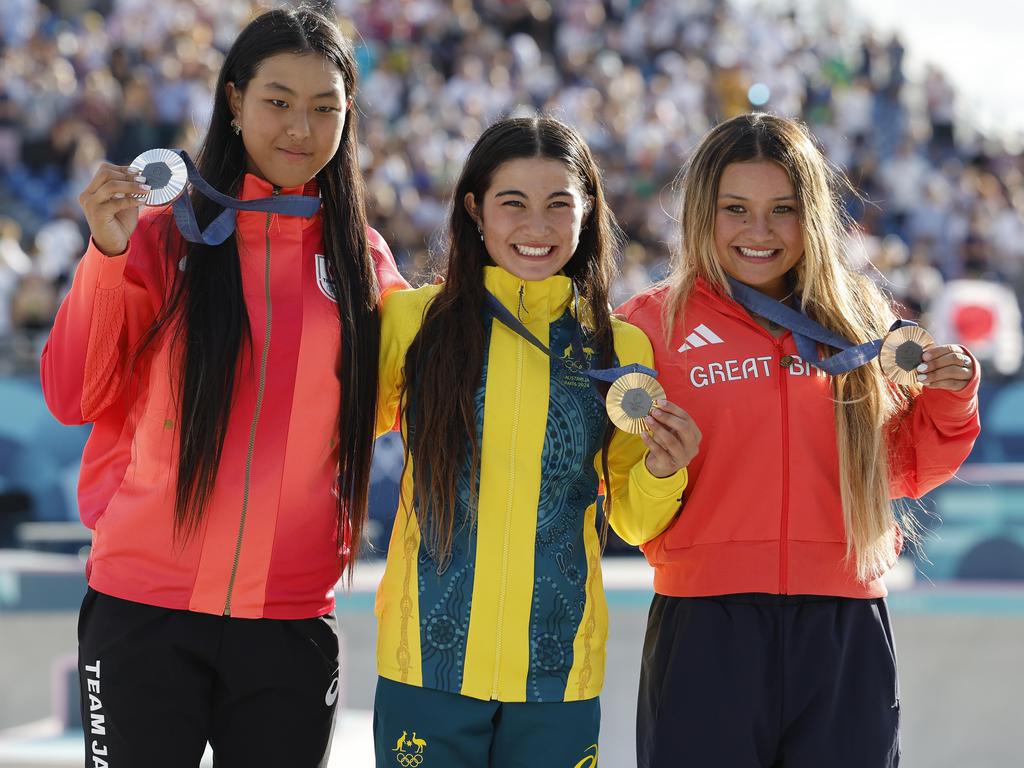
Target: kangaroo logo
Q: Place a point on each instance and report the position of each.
(416, 745)
(589, 761)
(570, 361)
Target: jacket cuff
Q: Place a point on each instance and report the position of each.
(109, 270)
(658, 488)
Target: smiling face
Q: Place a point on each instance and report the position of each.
(291, 113)
(531, 216)
(758, 235)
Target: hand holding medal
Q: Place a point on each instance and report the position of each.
(636, 404)
(672, 439)
(945, 366)
(910, 355)
(111, 205)
(158, 177)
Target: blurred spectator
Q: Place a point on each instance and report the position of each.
(14, 265)
(34, 305)
(941, 99)
(59, 243)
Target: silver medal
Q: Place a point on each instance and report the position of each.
(165, 172)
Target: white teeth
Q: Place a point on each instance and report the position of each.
(527, 251)
(756, 254)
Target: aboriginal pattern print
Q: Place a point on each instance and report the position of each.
(575, 430)
(446, 588)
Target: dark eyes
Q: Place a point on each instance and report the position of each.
(779, 209)
(323, 108)
(520, 204)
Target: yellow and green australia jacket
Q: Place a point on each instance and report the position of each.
(518, 613)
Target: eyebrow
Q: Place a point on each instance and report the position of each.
(286, 89)
(559, 193)
(740, 197)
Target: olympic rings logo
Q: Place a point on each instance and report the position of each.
(408, 761)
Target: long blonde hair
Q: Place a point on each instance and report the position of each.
(830, 292)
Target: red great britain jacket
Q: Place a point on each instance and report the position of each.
(762, 511)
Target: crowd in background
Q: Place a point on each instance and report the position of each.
(84, 80)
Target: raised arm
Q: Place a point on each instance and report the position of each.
(929, 441)
(117, 290)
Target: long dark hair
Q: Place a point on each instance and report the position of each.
(206, 308)
(445, 361)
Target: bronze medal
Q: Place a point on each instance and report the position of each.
(630, 399)
(901, 353)
(165, 172)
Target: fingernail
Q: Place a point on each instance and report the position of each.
(923, 367)
(118, 195)
(140, 179)
(145, 187)
(922, 377)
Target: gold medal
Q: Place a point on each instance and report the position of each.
(165, 172)
(630, 399)
(901, 353)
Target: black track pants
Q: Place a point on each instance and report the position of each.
(768, 681)
(157, 684)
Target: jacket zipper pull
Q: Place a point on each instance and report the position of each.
(522, 304)
(274, 192)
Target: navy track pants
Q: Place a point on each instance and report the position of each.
(768, 681)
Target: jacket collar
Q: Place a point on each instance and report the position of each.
(721, 300)
(253, 188)
(724, 303)
(530, 299)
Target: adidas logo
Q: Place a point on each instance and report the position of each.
(701, 336)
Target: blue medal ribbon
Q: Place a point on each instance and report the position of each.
(806, 332)
(223, 226)
(501, 312)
